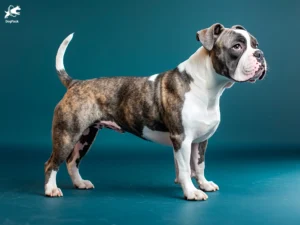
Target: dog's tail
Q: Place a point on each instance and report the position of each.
(60, 68)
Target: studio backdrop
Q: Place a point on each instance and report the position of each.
(140, 38)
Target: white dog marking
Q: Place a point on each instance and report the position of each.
(153, 77)
(248, 64)
(51, 188)
(200, 119)
(61, 52)
(157, 136)
(201, 112)
(182, 157)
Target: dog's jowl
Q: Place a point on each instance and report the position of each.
(179, 107)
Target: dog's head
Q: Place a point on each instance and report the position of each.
(234, 52)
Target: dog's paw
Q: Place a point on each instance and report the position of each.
(84, 184)
(195, 194)
(208, 186)
(53, 192)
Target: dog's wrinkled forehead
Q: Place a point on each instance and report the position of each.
(232, 35)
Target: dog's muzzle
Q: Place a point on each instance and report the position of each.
(261, 71)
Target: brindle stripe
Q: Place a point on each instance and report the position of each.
(201, 149)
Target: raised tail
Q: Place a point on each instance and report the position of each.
(60, 68)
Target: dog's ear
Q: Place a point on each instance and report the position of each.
(239, 27)
(209, 36)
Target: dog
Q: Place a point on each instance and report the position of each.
(179, 107)
(12, 11)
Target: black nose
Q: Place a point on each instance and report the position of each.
(259, 55)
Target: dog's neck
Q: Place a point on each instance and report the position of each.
(205, 79)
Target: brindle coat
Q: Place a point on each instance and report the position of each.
(130, 102)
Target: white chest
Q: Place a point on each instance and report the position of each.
(200, 119)
(200, 116)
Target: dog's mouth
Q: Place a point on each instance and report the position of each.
(259, 74)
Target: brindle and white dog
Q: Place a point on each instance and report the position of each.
(179, 107)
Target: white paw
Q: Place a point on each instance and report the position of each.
(84, 184)
(53, 192)
(208, 186)
(195, 194)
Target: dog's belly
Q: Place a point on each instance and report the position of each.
(198, 134)
(157, 136)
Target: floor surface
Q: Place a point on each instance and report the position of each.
(256, 187)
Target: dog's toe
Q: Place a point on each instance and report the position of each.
(208, 186)
(84, 184)
(195, 194)
(53, 192)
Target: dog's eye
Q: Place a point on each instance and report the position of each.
(237, 47)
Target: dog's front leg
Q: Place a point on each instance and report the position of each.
(198, 165)
(182, 154)
(193, 173)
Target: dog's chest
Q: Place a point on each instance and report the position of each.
(200, 119)
(200, 116)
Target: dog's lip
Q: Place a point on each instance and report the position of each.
(260, 76)
(252, 80)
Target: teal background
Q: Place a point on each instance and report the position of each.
(140, 38)
(253, 157)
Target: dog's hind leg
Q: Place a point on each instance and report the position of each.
(66, 131)
(63, 143)
(80, 149)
